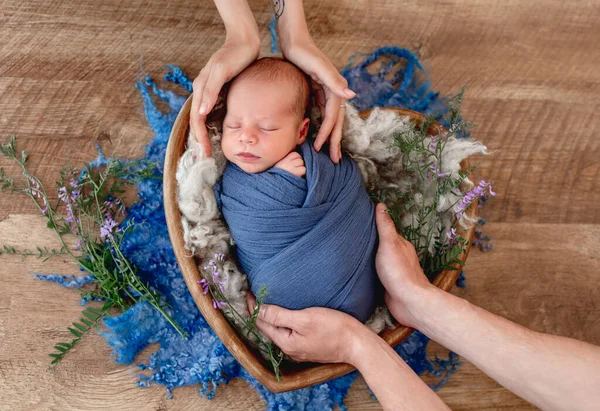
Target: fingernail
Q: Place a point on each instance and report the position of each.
(381, 207)
(203, 108)
(349, 93)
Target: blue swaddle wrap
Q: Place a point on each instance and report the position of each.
(312, 241)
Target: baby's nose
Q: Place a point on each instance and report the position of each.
(248, 137)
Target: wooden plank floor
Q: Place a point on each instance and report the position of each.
(67, 73)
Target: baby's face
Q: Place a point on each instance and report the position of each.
(259, 128)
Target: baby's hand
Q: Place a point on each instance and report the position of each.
(292, 163)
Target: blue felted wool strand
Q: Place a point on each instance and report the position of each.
(311, 241)
(202, 359)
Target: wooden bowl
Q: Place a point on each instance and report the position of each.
(294, 376)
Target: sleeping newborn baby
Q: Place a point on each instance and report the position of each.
(303, 226)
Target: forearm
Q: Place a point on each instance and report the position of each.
(291, 22)
(238, 19)
(393, 382)
(549, 371)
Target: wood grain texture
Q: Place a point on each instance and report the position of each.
(67, 71)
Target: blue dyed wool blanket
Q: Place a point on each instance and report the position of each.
(310, 241)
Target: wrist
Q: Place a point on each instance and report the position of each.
(418, 302)
(291, 25)
(362, 340)
(410, 309)
(244, 35)
(238, 20)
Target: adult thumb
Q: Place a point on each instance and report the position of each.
(385, 225)
(277, 316)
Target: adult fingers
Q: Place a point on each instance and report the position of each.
(218, 74)
(335, 141)
(198, 121)
(279, 316)
(198, 125)
(332, 109)
(279, 335)
(250, 302)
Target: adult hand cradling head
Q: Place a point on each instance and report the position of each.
(242, 47)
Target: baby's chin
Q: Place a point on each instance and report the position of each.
(251, 167)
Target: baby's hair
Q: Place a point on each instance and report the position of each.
(276, 68)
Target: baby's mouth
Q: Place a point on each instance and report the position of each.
(247, 156)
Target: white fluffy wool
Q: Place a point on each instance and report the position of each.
(367, 141)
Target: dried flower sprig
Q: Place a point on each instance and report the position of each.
(214, 282)
(421, 148)
(47, 254)
(89, 208)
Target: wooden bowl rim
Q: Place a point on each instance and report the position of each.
(307, 377)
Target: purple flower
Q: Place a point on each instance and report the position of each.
(62, 194)
(75, 194)
(453, 238)
(204, 284)
(477, 192)
(69, 201)
(216, 274)
(45, 209)
(218, 304)
(106, 231)
(73, 182)
(433, 143)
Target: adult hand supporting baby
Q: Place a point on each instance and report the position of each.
(326, 335)
(241, 47)
(551, 372)
(330, 86)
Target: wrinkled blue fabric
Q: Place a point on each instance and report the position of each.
(311, 241)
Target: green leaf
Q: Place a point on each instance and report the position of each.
(57, 356)
(90, 315)
(95, 311)
(86, 322)
(66, 345)
(75, 332)
(81, 327)
(55, 361)
(61, 349)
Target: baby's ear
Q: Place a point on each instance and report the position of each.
(303, 130)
